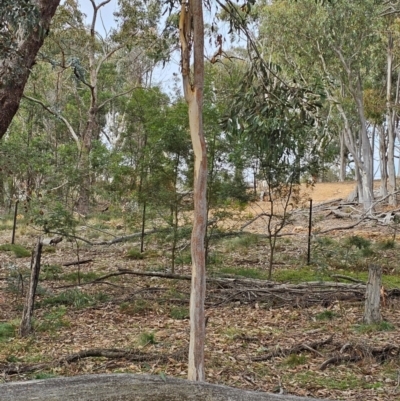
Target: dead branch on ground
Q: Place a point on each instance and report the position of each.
(127, 354)
(311, 347)
(77, 262)
(357, 352)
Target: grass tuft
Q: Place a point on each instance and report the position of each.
(294, 360)
(245, 272)
(7, 330)
(179, 313)
(371, 328)
(134, 254)
(325, 315)
(19, 250)
(147, 338)
(137, 307)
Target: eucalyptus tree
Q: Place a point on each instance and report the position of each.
(343, 38)
(87, 71)
(191, 34)
(275, 123)
(24, 24)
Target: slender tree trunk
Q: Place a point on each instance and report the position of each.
(143, 227)
(191, 27)
(390, 113)
(15, 70)
(83, 205)
(383, 162)
(343, 158)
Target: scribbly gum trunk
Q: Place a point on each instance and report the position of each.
(191, 30)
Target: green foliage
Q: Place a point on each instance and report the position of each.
(244, 272)
(16, 279)
(50, 272)
(358, 242)
(350, 253)
(244, 241)
(184, 258)
(48, 249)
(346, 382)
(136, 307)
(386, 244)
(214, 258)
(326, 315)
(134, 254)
(75, 298)
(82, 277)
(12, 359)
(54, 218)
(294, 360)
(147, 338)
(179, 313)
(7, 330)
(299, 275)
(371, 328)
(16, 17)
(53, 320)
(19, 250)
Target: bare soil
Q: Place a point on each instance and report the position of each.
(146, 315)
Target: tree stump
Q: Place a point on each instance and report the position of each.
(26, 322)
(372, 313)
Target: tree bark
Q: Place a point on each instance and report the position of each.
(26, 322)
(372, 312)
(343, 158)
(191, 28)
(126, 387)
(391, 116)
(383, 162)
(12, 84)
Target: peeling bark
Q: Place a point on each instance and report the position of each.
(191, 31)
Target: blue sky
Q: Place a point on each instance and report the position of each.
(161, 76)
(106, 21)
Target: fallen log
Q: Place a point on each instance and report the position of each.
(127, 387)
(127, 354)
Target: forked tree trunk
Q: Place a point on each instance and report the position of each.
(15, 70)
(372, 313)
(26, 322)
(191, 31)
